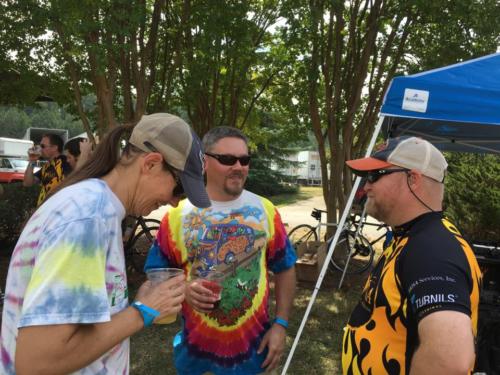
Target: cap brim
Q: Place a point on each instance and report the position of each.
(195, 191)
(367, 164)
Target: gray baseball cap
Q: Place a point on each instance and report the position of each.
(180, 147)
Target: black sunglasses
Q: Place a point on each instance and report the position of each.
(178, 191)
(374, 176)
(230, 159)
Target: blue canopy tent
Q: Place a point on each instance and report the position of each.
(457, 107)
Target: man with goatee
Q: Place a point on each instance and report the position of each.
(242, 237)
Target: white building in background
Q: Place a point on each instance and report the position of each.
(308, 172)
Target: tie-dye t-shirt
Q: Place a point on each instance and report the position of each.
(243, 239)
(68, 267)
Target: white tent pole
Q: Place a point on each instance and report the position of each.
(347, 209)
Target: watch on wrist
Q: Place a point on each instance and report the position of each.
(282, 322)
(148, 314)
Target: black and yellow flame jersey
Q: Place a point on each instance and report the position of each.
(428, 267)
(51, 175)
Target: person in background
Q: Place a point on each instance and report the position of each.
(53, 172)
(66, 308)
(419, 308)
(77, 152)
(242, 237)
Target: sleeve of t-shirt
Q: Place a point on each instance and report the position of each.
(157, 253)
(280, 252)
(68, 283)
(436, 277)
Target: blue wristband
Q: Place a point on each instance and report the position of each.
(281, 322)
(148, 314)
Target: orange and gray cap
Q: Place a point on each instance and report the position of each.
(406, 152)
(180, 147)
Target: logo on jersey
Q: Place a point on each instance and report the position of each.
(433, 299)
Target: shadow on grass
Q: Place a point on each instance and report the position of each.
(318, 351)
(320, 345)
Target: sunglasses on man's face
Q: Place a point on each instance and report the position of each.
(374, 176)
(230, 159)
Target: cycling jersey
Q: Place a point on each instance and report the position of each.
(51, 175)
(428, 267)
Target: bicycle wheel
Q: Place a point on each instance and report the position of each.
(361, 255)
(302, 233)
(145, 224)
(140, 245)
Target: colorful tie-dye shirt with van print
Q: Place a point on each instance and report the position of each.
(243, 239)
(68, 267)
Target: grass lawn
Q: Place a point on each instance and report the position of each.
(318, 351)
(305, 192)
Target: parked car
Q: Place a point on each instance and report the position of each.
(13, 159)
(12, 169)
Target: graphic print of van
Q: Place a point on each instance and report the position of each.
(230, 239)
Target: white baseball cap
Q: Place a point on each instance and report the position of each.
(406, 152)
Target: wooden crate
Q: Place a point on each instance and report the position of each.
(311, 258)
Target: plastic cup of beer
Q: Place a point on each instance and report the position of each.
(212, 280)
(35, 151)
(158, 275)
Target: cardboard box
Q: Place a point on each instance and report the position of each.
(311, 258)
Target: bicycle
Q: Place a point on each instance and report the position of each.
(353, 248)
(138, 236)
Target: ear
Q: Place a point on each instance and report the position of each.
(151, 161)
(204, 164)
(415, 179)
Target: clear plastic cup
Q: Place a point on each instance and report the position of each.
(158, 275)
(212, 280)
(35, 151)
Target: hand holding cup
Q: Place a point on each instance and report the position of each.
(205, 291)
(34, 153)
(164, 291)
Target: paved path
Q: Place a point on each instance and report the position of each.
(300, 212)
(159, 213)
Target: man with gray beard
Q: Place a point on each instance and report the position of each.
(242, 237)
(419, 307)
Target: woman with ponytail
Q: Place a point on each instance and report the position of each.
(66, 308)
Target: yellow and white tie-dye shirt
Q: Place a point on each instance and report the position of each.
(68, 267)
